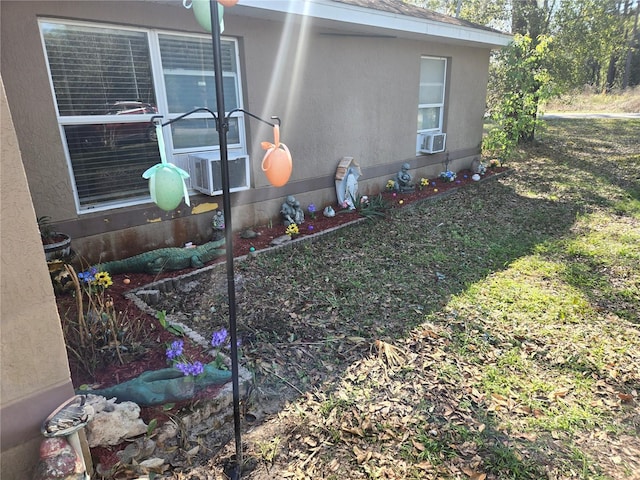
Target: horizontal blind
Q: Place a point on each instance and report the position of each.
(108, 161)
(94, 67)
(187, 63)
(107, 71)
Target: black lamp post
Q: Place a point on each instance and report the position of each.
(222, 126)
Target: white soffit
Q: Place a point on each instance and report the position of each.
(372, 22)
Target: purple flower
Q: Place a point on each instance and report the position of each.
(219, 338)
(195, 368)
(175, 349)
(311, 208)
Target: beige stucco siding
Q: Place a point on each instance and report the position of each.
(356, 96)
(337, 95)
(35, 372)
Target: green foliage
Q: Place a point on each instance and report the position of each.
(44, 225)
(153, 424)
(374, 207)
(169, 327)
(520, 82)
(269, 449)
(596, 43)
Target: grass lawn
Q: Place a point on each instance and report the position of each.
(489, 334)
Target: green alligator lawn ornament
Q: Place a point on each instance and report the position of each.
(158, 387)
(166, 259)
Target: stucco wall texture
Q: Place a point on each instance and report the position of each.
(35, 372)
(337, 95)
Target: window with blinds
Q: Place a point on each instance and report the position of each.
(105, 92)
(431, 94)
(187, 66)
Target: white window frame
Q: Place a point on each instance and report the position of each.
(440, 105)
(179, 156)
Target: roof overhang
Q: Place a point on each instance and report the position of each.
(345, 19)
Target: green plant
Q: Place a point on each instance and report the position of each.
(44, 225)
(170, 327)
(268, 449)
(98, 334)
(312, 211)
(523, 82)
(370, 208)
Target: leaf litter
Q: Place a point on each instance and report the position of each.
(453, 340)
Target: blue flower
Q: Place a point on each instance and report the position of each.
(175, 349)
(195, 368)
(219, 338)
(88, 276)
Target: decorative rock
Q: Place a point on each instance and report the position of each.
(329, 212)
(150, 297)
(248, 234)
(141, 448)
(280, 240)
(475, 177)
(151, 463)
(113, 422)
(58, 461)
(186, 287)
(168, 431)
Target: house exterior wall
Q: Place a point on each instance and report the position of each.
(337, 96)
(35, 371)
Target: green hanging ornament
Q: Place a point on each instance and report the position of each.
(166, 181)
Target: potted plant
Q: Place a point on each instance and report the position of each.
(56, 244)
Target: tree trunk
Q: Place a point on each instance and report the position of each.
(627, 65)
(611, 73)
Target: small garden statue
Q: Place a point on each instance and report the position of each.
(403, 180)
(347, 175)
(291, 212)
(218, 225)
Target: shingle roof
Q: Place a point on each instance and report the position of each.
(402, 8)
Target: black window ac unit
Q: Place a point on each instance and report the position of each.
(206, 176)
(432, 142)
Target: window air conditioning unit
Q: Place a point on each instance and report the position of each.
(206, 173)
(432, 142)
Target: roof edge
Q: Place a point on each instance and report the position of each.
(348, 12)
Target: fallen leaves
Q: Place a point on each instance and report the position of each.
(390, 374)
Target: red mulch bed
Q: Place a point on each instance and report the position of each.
(157, 338)
(154, 358)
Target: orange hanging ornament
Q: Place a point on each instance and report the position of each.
(276, 163)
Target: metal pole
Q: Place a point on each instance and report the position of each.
(222, 126)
